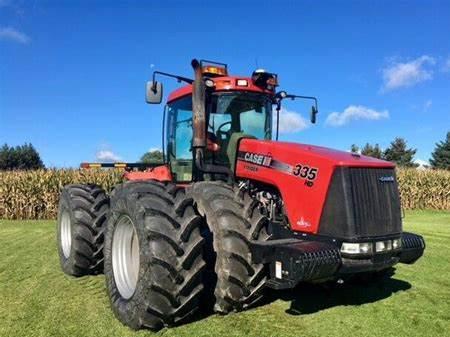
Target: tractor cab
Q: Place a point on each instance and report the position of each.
(234, 108)
(230, 115)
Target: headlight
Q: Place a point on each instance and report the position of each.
(397, 243)
(382, 246)
(356, 248)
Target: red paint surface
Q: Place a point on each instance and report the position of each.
(160, 173)
(222, 84)
(303, 204)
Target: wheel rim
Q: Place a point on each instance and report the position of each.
(66, 234)
(125, 257)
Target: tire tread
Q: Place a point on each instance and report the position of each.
(88, 205)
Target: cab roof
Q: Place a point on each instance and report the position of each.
(224, 83)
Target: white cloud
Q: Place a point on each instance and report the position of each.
(401, 75)
(152, 149)
(355, 112)
(11, 34)
(290, 122)
(107, 156)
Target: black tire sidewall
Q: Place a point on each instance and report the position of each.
(67, 263)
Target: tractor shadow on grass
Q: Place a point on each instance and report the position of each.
(311, 298)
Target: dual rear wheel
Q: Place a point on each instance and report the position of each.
(153, 255)
(156, 249)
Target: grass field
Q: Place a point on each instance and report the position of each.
(37, 299)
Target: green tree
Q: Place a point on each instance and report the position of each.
(440, 158)
(399, 153)
(6, 157)
(22, 157)
(155, 156)
(372, 151)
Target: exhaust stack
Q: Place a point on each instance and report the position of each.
(198, 107)
(199, 125)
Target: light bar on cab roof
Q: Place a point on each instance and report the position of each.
(214, 71)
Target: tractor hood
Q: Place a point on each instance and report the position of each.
(304, 173)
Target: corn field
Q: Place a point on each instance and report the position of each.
(424, 189)
(35, 194)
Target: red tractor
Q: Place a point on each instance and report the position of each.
(231, 212)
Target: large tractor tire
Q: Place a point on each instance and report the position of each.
(234, 219)
(153, 255)
(82, 215)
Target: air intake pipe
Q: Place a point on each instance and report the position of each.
(198, 107)
(199, 124)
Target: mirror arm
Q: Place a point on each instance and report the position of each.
(178, 78)
(305, 97)
(315, 108)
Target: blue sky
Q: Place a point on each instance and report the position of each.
(72, 73)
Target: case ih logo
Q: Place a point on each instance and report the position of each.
(386, 179)
(256, 158)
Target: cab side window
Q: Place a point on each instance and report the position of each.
(179, 138)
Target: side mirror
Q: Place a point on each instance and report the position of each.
(154, 91)
(313, 114)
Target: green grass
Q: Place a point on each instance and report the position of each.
(37, 299)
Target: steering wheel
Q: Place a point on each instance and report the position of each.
(221, 133)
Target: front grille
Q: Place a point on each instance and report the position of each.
(361, 202)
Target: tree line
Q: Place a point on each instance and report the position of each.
(399, 153)
(25, 157)
(21, 157)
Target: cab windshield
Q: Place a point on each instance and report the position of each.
(247, 113)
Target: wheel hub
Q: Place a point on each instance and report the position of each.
(66, 234)
(125, 256)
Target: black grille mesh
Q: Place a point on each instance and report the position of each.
(361, 202)
(376, 205)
